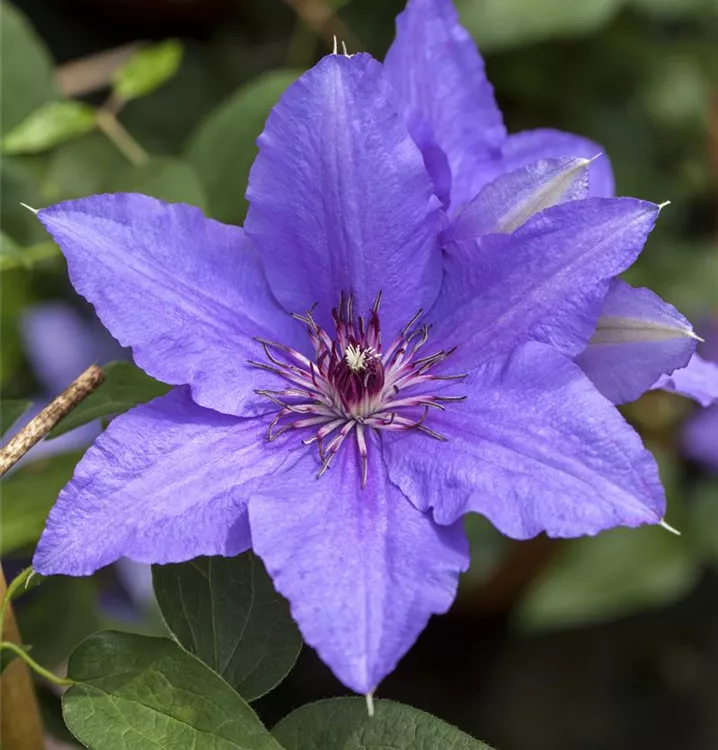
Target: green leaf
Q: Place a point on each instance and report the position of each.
(140, 693)
(148, 69)
(15, 297)
(16, 257)
(125, 386)
(344, 724)
(26, 70)
(506, 23)
(10, 411)
(169, 179)
(81, 167)
(18, 185)
(46, 127)
(226, 612)
(607, 576)
(10, 253)
(28, 495)
(223, 147)
(671, 8)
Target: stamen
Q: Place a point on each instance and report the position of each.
(351, 384)
(361, 443)
(412, 321)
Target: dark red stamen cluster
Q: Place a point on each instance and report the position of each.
(353, 384)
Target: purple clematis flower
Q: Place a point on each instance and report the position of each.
(361, 365)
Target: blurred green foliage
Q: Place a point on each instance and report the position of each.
(638, 76)
(147, 70)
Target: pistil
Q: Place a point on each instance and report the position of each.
(352, 385)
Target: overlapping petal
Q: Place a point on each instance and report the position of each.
(340, 199)
(638, 338)
(546, 281)
(708, 330)
(700, 437)
(435, 68)
(526, 147)
(362, 568)
(534, 448)
(188, 294)
(512, 199)
(166, 482)
(697, 380)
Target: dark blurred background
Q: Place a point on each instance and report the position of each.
(607, 643)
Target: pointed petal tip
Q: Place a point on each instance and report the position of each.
(36, 211)
(370, 703)
(661, 206)
(668, 527)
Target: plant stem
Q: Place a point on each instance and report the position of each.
(21, 578)
(125, 143)
(20, 723)
(46, 673)
(37, 428)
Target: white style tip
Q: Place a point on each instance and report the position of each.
(370, 704)
(667, 527)
(30, 208)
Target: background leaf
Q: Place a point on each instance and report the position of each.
(26, 70)
(18, 257)
(125, 386)
(671, 8)
(148, 69)
(19, 184)
(140, 693)
(223, 147)
(612, 574)
(81, 167)
(505, 23)
(27, 496)
(343, 724)
(56, 616)
(226, 612)
(10, 411)
(169, 179)
(48, 126)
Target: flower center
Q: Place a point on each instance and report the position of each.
(353, 384)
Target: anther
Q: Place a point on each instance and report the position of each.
(351, 384)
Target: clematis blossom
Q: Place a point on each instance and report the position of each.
(493, 181)
(355, 369)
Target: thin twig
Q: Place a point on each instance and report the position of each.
(125, 143)
(37, 428)
(88, 74)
